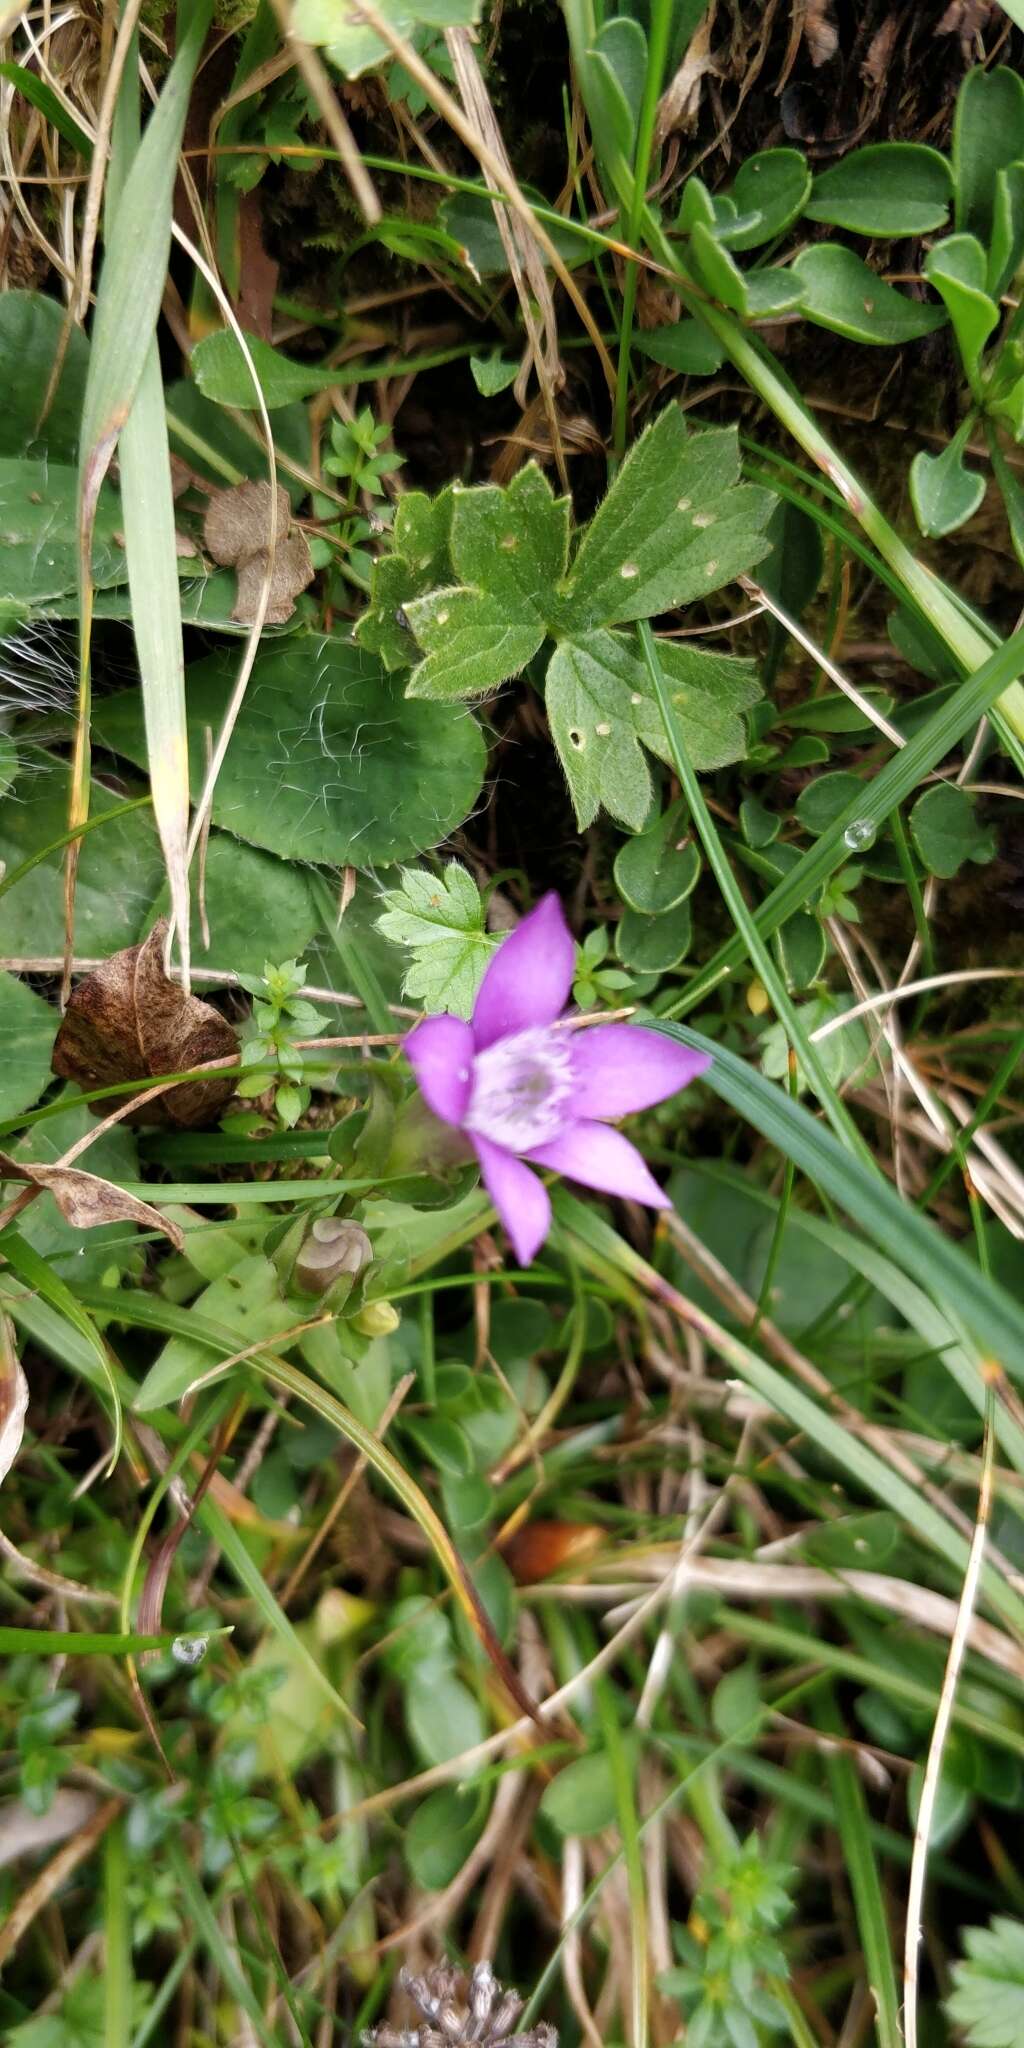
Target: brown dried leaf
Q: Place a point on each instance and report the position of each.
(293, 570)
(236, 530)
(820, 32)
(86, 1200)
(966, 19)
(876, 64)
(128, 1020)
(13, 1398)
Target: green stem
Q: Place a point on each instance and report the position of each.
(657, 58)
(746, 927)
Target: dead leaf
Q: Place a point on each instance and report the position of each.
(820, 32)
(539, 1549)
(966, 19)
(128, 1021)
(680, 102)
(876, 64)
(13, 1398)
(86, 1200)
(236, 530)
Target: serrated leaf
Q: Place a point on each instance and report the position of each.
(512, 543)
(675, 525)
(440, 918)
(492, 373)
(887, 188)
(418, 561)
(842, 294)
(599, 709)
(988, 1999)
(470, 644)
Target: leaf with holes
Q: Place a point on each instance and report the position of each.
(600, 711)
(440, 918)
(675, 525)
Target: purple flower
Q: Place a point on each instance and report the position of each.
(527, 1092)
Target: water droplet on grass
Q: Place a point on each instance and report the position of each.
(859, 835)
(189, 1650)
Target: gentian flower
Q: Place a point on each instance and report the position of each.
(528, 1092)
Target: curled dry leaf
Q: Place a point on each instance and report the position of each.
(236, 531)
(128, 1021)
(85, 1200)
(820, 32)
(13, 1398)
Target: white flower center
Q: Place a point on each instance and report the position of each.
(519, 1088)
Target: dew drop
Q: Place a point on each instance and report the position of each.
(628, 570)
(602, 731)
(683, 504)
(189, 1650)
(859, 835)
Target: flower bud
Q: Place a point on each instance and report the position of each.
(332, 1249)
(377, 1319)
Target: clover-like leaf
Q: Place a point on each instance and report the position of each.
(943, 493)
(510, 549)
(958, 269)
(470, 642)
(988, 1998)
(675, 525)
(440, 918)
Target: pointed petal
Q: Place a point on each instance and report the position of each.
(622, 1067)
(529, 978)
(601, 1158)
(519, 1197)
(440, 1052)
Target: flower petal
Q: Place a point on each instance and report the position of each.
(440, 1052)
(529, 978)
(599, 1157)
(622, 1067)
(519, 1197)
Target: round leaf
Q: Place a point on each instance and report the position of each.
(841, 293)
(657, 870)
(328, 761)
(945, 829)
(650, 945)
(889, 188)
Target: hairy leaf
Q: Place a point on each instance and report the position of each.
(440, 918)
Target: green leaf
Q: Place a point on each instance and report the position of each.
(675, 525)
(659, 868)
(943, 493)
(756, 294)
(988, 133)
(120, 869)
(946, 831)
(440, 918)
(257, 909)
(30, 329)
(419, 561)
(28, 1027)
(355, 48)
(327, 762)
(651, 945)
(245, 1304)
(802, 948)
(1012, 496)
(439, 1835)
(599, 710)
(80, 1257)
(222, 374)
(38, 520)
(685, 346)
(1006, 243)
(842, 294)
(988, 1996)
(581, 1800)
(958, 270)
(53, 109)
(590, 691)
(468, 218)
(471, 645)
(772, 186)
(493, 373)
(887, 188)
(825, 799)
(843, 1053)
(792, 570)
(443, 1717)
(512, 543)
(227, 450)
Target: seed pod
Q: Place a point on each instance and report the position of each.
(333, 1248)
(539, 1549)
